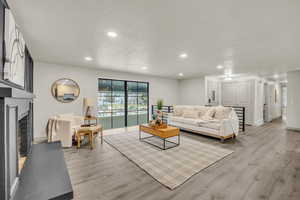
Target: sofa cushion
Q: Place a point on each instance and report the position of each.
(222, 112)
(190, 113)
(201, 110)
(208, 115)
(178, 110)
(213, 124)
(189, 121)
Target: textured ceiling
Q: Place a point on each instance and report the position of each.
(257, 37)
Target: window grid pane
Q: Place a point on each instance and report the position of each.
(112, 101)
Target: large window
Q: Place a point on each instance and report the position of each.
(122, 103)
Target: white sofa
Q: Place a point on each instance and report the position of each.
(62, 127)
(220, 122)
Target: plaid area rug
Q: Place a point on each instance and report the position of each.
(170, 167)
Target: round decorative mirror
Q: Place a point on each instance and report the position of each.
(65, 90)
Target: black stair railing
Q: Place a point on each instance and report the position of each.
(165, 110)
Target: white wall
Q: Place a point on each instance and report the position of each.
(293, 100)
(192, 91)
(45, 105)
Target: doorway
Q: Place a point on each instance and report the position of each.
(122, 103)
(284, 102)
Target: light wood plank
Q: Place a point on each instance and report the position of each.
(265, 165)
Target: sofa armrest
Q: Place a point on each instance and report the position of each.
(235, 122)
(228, 127)
(62, 131)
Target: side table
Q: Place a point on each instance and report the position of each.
(90, 131)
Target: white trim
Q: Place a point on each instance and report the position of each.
(14, 188)
(293, 129)
(259, 122)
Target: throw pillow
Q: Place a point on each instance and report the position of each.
(209, 114)
(206, 118)
(222, 112)
(201, 110)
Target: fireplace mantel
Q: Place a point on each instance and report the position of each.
(10, 92)
(15, 104)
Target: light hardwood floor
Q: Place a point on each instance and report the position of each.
(265, 165)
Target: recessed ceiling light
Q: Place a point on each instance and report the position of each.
(276, 76)
(220, 67)
(183, 55)
(144, 68)
(112, 34)
(180, 74)
(88, 58)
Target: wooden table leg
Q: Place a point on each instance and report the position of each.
(140, 133)
(78, 140)
(91, 139)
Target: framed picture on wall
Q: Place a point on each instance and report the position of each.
(14, 52)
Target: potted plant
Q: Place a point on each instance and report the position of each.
(159, 113)
(160, 104)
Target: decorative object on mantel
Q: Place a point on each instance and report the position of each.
(14, 52)
(88, 104)
(65, 90)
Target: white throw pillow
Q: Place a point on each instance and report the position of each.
(222, 112)
(201, 110)
(209, 114)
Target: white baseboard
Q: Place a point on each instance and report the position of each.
(259, 123)
(14, 187)
(293, 129)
